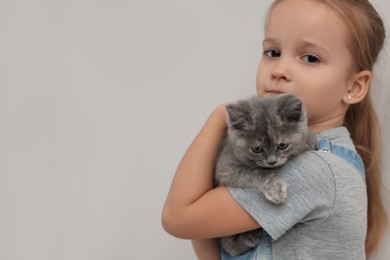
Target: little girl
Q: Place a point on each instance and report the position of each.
(323, 51)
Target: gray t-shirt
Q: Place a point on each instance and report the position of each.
(325, 214)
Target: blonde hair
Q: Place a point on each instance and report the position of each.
(365, 43)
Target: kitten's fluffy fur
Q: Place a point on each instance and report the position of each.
(263, 133)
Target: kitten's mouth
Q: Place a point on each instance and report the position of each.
(270, 166)
(267, 165)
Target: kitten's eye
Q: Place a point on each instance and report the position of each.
(272, 53)
(257, 149)
(283, 146)
(310, 58)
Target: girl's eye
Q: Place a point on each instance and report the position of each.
(283, 146)
(272, 53)
(257, 149)
(311, 58)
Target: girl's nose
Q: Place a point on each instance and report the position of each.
(280, 71)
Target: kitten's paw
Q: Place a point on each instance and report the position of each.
(251, 238)
(275, 190)
(239, 244)
(232, 245)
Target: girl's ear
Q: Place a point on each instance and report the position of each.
(358, 88)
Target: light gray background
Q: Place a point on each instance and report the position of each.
(98, 102)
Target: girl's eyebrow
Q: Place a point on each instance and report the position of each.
(270, 40)
(302, 44)
(309, 44)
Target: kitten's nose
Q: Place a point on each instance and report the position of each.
(272, 160)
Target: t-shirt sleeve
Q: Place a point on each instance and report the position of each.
(310, 195)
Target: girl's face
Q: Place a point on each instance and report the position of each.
(306, 53)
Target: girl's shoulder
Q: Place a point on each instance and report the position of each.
(320, 169)
(310, 163)
(312, 173)
(335, 154)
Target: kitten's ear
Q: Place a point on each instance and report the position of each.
(239, 117)
(291, 108)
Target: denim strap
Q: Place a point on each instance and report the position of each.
(347, 154)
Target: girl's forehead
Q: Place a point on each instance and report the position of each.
(308, 20)
(304, 15)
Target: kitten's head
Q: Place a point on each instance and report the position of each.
(267, 131)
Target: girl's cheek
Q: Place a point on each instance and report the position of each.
(260, 83)
(260, 89)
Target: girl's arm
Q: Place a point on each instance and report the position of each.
(194, 209)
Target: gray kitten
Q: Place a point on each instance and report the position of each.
(263, 133)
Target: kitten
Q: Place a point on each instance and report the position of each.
(263, 133)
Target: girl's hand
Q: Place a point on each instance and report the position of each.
(221, 112)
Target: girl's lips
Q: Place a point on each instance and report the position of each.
(274, 92)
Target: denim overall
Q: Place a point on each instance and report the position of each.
(263, 251)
